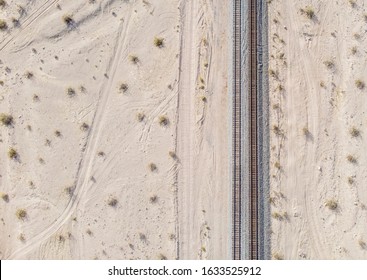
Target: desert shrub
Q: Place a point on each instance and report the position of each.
(89, 232)
(3, 25)
(5, 197)
(6, 120)
(21, 214)
(351, 159)
(277, 130)
(329, 64)
(203, 98)
(28, 75)
(158, 42)
(350, 180)
(354, 50)
(112, 202)
(21, 237)
(162, 257)
(277, 165)
(84, 127)
(172, 154)
(36, 98)
(277, 256)
(309, 12)
(70, 190)
(362, 244)
(140, 116)
(70, 92)
(277, 216)
(2, 3)
(359, 84)
(172, 236)
(124, 87)
(152, 167)
(12, 153)
(101, 154)
(57, 133)
(305, 131)
(354, 132)
(163, 121)
(353, 3)
(68, 20)
(332, 204)
(153, 199)
(134, 59)
(142, 236)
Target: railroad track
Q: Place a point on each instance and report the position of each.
(238, 172)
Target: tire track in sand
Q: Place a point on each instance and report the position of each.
(86, 163)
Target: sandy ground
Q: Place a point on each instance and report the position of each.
(133, 164)
(318, 120)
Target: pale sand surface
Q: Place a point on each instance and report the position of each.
(315, 108)
(179, 210)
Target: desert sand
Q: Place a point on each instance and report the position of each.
(318, 142)
(118, 146)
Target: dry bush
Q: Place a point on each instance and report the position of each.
(351, 159)
(273, 73)
(152, 167)
(124, 87)
(353, 3)
(57, 133)
(305, 131)
(354, 50)
(277, 130)
(332, 204)
(329, 64)
(172, 236)
(153, 199)
(163, 121)
(134, 59)
(1, 82)
(142, 236)
(277, 165)
(12, 153)
(112, 202)
(354, 132)
(203, 98)
(84, 127)
(158, 42)
(140, 116)
(70, 190)
(322, 84)
(362, 244)
(350, 180)
(357, 36)
(68, 20)
(28, 75)
(36, 98)
(5, 197)
(101, 154)
(3, 25)
(2, 3)
(6, 120)
(277, 256)
(70, 92)
(359, 84)
(162, 257)
(21, 237)
(21, 214)
(89, 232)
(172, 154)
(309, 12)
(277, 216)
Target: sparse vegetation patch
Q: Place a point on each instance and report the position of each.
(158, 42)
(21, 214)
(6, 119)
(332, 204)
